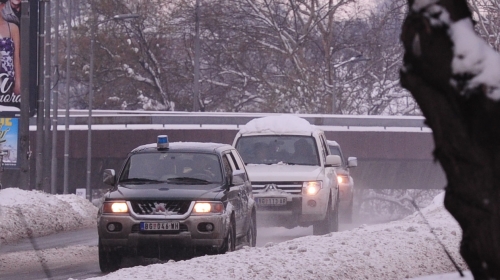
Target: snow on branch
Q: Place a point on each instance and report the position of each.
(474, 57)
(475, 65)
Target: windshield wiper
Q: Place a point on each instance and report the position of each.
(187, 180)
(140, 180)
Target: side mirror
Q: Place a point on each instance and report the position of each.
(352, 162)
(238, 178)
(109, 177)
(333, 161)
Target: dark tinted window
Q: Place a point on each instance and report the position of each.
(273, 149)
(168, 165)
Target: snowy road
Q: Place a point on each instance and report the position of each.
(83, 244)
(394, 250)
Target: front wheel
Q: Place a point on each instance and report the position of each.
(335, 214)
(331, 221)
(251, 236)
(230, 241)
(348, 213)
(109, 260)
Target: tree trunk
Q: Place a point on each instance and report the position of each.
(465, 125)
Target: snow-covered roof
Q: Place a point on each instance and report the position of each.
(332, 143)
(282, 124)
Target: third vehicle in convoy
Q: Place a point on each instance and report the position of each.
(344, 178)
(292, 172)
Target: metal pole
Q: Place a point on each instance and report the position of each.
(55, 104)
(93, 31)
(66, 131)
(196, 84)
(91, 98)
(48, 67)
(40, 102)
(334, 97)
(24, 137)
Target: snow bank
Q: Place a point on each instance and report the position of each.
(397, 250)
(34, 213)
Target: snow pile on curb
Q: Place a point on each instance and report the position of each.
(34, 213)
(396, 250)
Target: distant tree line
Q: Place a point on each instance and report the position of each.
(287, 56)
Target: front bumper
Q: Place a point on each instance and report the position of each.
(299, 209)
(130, 236)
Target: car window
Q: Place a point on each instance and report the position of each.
(228, 170)
(324, 147)
(237, 159)
(335, 150)
(274, 149)
(230, 160)
(168, 165)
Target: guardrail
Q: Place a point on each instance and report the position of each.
(80, 117)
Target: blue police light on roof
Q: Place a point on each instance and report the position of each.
(162, 142)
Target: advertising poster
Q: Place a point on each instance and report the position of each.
(9, 136)
(10, 67)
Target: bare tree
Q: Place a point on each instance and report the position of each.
(454, 76)
(373, 88)
(487, 15)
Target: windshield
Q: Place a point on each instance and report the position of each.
(273, 149)
(172, 167)
(335, 150)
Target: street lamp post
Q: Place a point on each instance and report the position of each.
(196, 82)
(93, 32)
(357, 58)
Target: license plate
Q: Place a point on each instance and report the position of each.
(166, 226)
(271, 201)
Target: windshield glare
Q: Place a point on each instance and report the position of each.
(173, 166)
(273, 149)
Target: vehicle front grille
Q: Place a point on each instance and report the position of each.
(288, 187)
(160, 207)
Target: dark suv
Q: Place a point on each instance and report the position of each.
(175, 199)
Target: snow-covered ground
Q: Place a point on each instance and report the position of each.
(395, 250)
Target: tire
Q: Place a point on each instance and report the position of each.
(109, 261)
(230, 241)
(348, 213)
(251, 236)
(335, 220)
(331, 221)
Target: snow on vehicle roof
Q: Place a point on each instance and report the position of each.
(282, 124)
(332, 142)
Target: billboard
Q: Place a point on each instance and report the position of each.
(11, 66)
(9, 139)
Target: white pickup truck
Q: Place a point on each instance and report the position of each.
(292, 172)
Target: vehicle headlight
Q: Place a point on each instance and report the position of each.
(202, 207)
(312, 187)
(115, 207)
(342, 179)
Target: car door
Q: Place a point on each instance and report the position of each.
(236, 195)
(246, 190)
(329, 171)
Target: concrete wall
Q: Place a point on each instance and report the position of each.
(385, 159)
